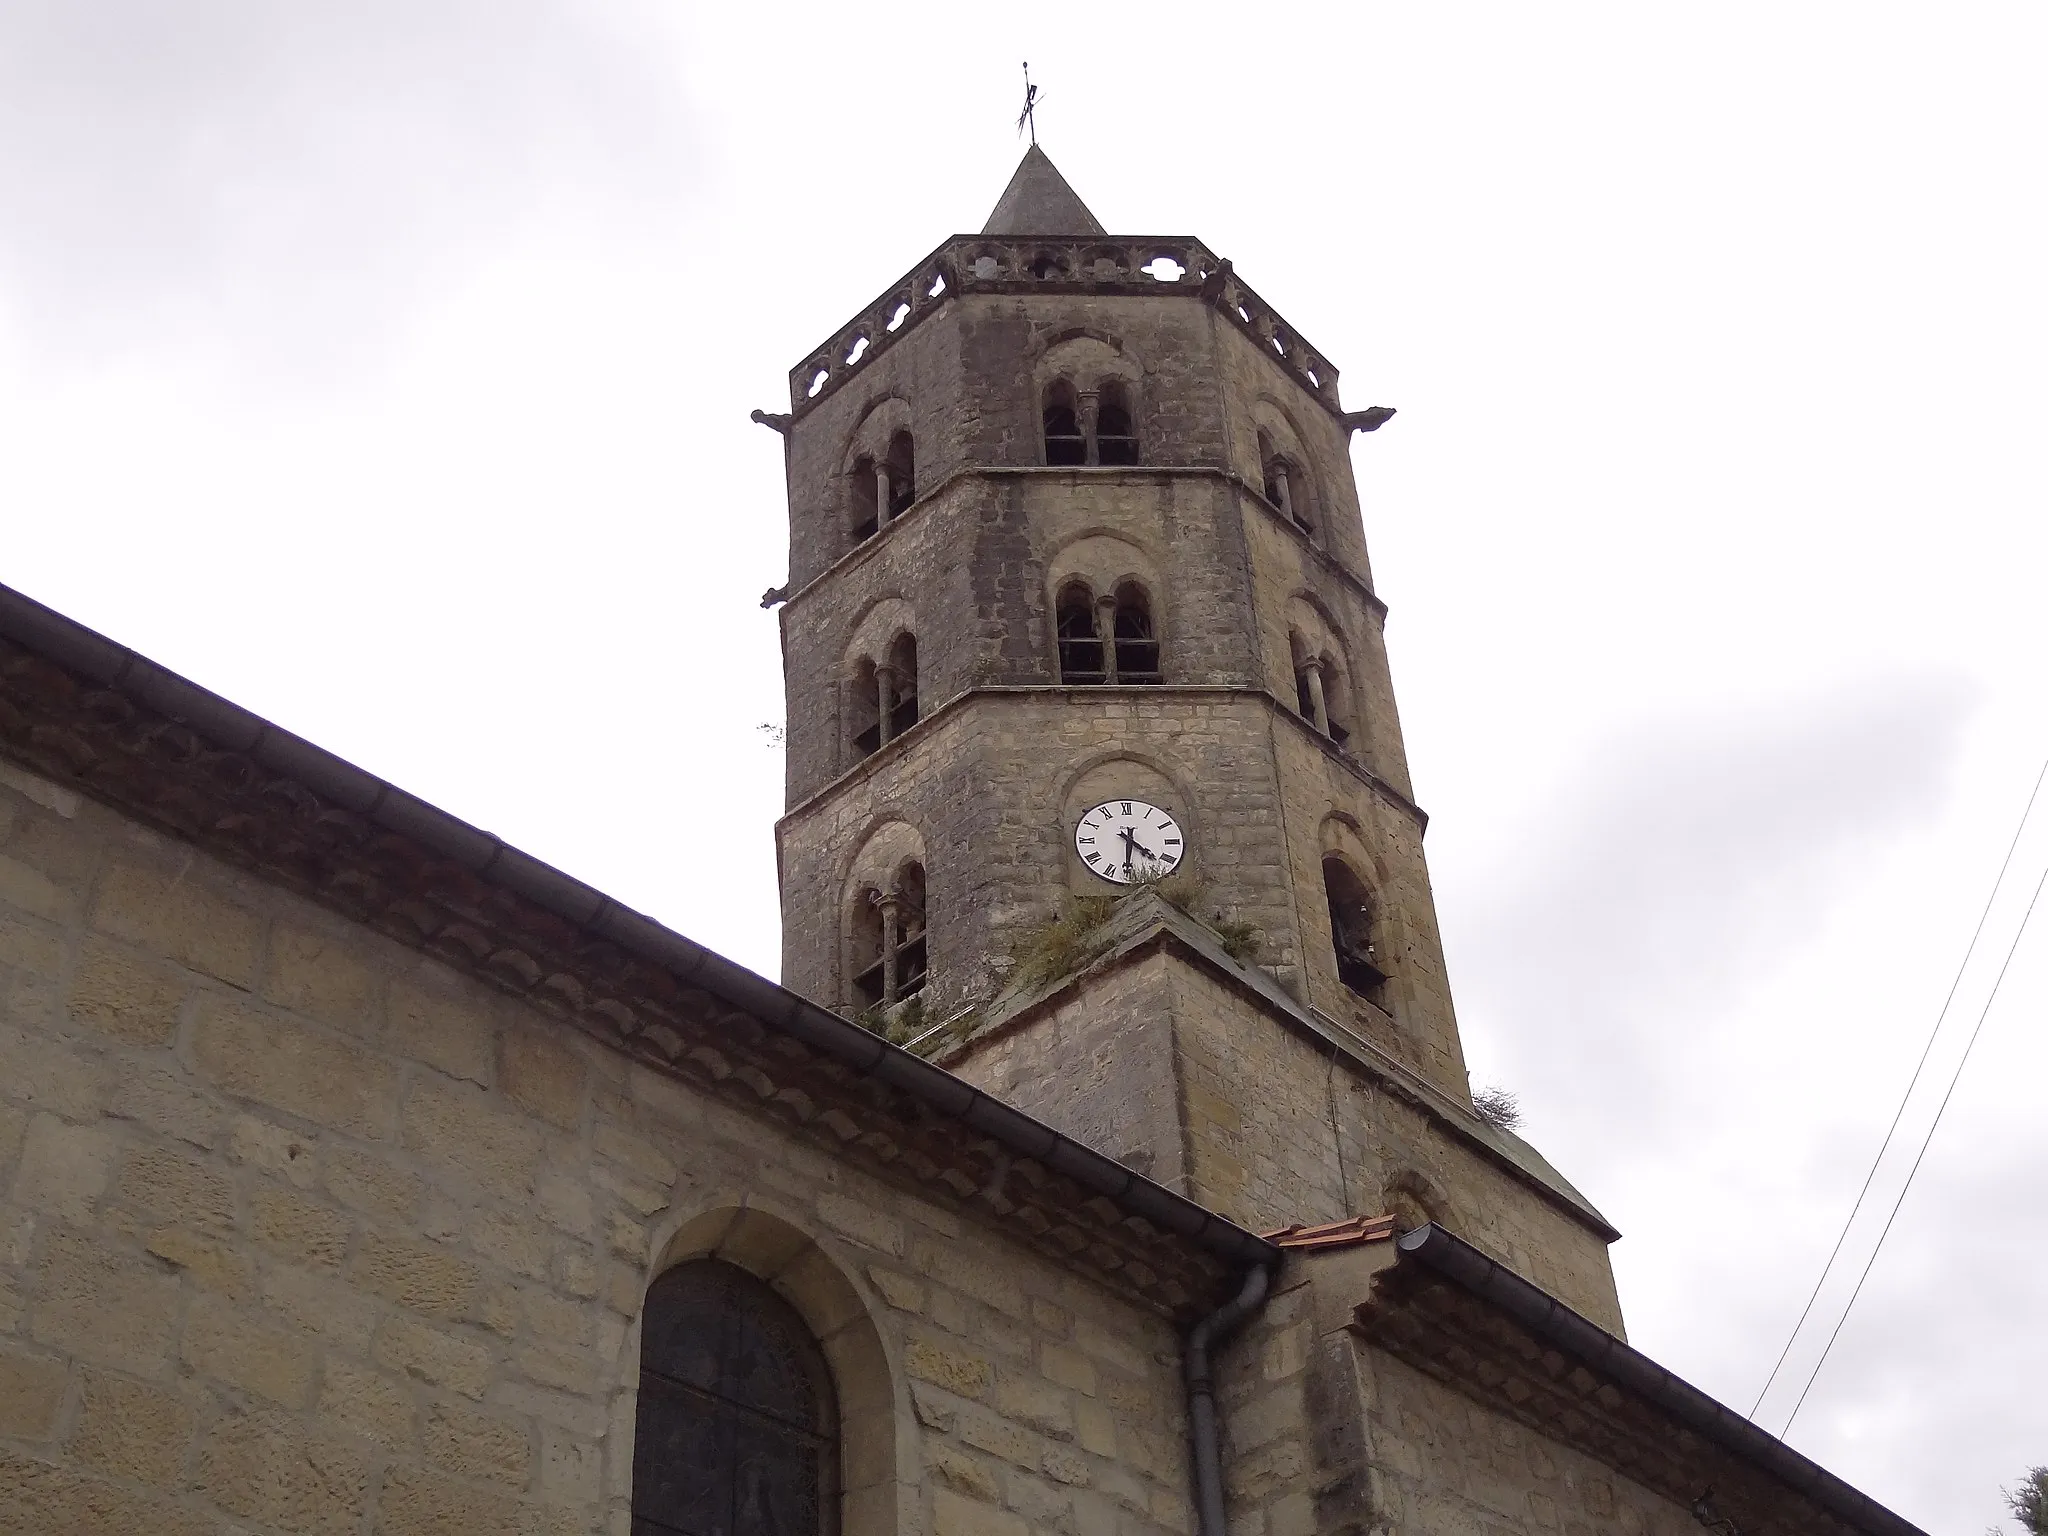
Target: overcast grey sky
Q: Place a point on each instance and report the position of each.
(386, 368)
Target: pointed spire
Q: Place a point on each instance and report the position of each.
(1038, 201)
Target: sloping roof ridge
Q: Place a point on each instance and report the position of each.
(1039, 201)
(1145, 917)
(72, 646)
(1534, 1309)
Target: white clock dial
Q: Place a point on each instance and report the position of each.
(1129, 840)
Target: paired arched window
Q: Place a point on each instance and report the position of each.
(737, 1427)
(1320, 693)
(1354, 930)
(1107, 639)
(889, 955)
(1089, 428)
(882, 489)
(1286, 485)
(883, 696)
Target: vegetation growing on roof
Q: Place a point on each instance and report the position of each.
(895, 1024)
(1064, 943)
(1188, 893)
(1498, 1108)
(1076, 935)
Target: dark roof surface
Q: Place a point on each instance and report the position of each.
(1038, 201)
(1461, 1317)
(1473, 1324)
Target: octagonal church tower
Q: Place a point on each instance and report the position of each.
(1096, 788)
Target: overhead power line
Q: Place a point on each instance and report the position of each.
(1905, 1098)
(1925, 1142)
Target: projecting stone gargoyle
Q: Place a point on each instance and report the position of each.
(1371, 419)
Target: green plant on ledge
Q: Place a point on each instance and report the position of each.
(1064, 943)
(1067, 942)
(895, 1024)
(1188, 893)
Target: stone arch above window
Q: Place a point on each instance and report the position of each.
(1341, 834)
(887, 919)
(1414, 1200)
(772, 1249)
(879, 468)
(1285, 474)
(1108, 624)
(1322, 674)
(880, 674)
(1087, 386)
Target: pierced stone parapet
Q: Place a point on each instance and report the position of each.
(1149, 266)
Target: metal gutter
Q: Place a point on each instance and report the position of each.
(1550, 1319)
(83, 651)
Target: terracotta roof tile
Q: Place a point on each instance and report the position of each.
(1335, 1234)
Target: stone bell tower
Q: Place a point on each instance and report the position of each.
(1073, 523)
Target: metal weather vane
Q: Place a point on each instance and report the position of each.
(1027, 117)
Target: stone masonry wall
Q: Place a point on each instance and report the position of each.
(1267, 1129)
(1325, 1434)
(974, 566)
(976, 563)
(301, 1232)
(965, 373)
(984, 784)
(1419, 1026)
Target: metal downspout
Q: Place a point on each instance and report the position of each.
(1202, 1436)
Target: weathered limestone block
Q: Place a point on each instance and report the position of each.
(248, 1351)
(297, 1227)
(134, 1430)
(254, 1053)
(64, 1169)
(367, 1403)
(323, 976)
(121, 994)
(39, 1496)
(479, 1446)
(267, 1468)
(100, 1304)
(181, 920)
(31, 1392)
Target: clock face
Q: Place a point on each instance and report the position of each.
(1128, 840)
